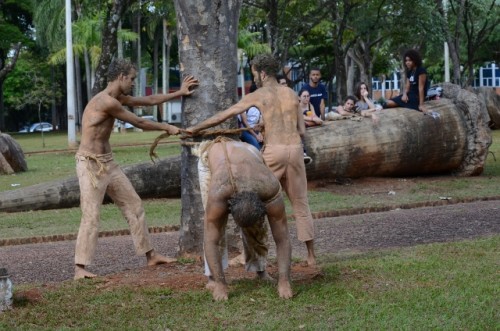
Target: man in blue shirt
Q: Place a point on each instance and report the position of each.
(317, 91)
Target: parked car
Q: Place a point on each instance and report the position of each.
(38, 127)
(127, 125)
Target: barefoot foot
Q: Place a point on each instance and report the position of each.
(285, 290)
(219, 292)
(237, 261)
(80, 273)
(210, 284)
(155, 259)
(264, 276)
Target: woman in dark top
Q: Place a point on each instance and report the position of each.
(416, 84)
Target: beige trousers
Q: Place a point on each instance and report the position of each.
(97, 175)
(287, 164)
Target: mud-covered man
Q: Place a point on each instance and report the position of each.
(283, 151)
(98, 174)
(234, 179)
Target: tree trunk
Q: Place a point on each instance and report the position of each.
(207, 32)
(114, 13)
(11, 156)
(403, 143)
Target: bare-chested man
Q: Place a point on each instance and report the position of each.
(234, 179)
(282, 151)
(99, 174)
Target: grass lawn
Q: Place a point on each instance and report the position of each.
(159, 212)
(452, 286)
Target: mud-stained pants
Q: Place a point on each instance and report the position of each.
(97, 175)
(287, 164)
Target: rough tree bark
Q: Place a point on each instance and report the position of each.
(492, 102)
(207, 33)
(404, 143)
(116, 9)
(11, 156)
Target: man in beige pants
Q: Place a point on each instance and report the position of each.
(99, 174)
(282, 152)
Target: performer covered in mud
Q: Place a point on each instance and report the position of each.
(283, 150)
(234, 179)
(99, 174)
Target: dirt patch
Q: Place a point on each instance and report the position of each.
(187, 277)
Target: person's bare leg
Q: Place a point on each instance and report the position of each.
(311, 257)
(210, 284)
(80, 272)
(154, 258)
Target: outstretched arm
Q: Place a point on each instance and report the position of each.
(187, 88)
(248, 101)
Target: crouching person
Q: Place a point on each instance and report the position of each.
(234, 179)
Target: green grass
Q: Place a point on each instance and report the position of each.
(452, 286)
(159, 212)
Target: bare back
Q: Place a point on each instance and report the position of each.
(279, 106)
(248, 170)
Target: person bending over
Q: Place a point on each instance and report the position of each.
(234, 180)
(283, 150)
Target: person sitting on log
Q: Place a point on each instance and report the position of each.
(310, 117)
(234, 180)
(416, 85)
(349, 109)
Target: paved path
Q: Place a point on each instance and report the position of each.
(53, 262)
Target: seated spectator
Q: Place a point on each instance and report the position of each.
(349, 109)
(365, 105)
(282, 80)
(251, 119)
(310, 117)
(416, 85)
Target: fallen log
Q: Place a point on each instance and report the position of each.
(403, 143)
(11, 156)
(158, 180)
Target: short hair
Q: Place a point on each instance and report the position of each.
(358, 89)
(267, 63)
(351, 97)
(314, 69)
(246, 208)
(118, 67)
(414, 56)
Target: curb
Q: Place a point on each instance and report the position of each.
(315, 215)
(72, 236)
